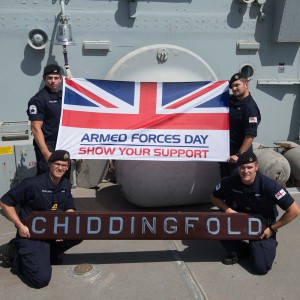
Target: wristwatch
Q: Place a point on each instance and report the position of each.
(238, 154)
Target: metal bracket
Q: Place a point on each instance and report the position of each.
(262, 15)
(96, 45)
(14, 130)
(132, 8)
(257, 2)
(277, 81)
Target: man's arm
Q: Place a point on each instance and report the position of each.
(12, 215)
(290, 214)
(222, 205)
(247, 142)
(36, 127)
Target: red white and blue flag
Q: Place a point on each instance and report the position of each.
(103, 119)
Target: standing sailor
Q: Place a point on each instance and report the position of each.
(44, 111)
(244, 118)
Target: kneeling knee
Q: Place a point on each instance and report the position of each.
(40, 281)
(41, 284)
(261, 270)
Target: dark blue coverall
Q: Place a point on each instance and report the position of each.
(33, 257)
(260, 199)
(244, 118)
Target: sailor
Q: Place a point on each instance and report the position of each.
(44, 111)
(253, 193)
(244, 118)
(48, 191)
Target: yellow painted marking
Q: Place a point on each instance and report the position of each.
(6, 150)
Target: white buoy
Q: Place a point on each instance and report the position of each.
(272, 164)
(158, 184)
(90, 172)
(164, 183)
(293, 157)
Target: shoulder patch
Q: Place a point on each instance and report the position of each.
(252, 120)
(280, 194)
(32, 109)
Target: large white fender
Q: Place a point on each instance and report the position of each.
(293, 157)
(158, 184)
(161, 183)
(272, 164)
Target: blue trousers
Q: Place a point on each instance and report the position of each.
(33, 258)
(262, 252)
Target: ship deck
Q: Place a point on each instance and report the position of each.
(156, 269)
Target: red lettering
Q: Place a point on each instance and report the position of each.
(32, 164)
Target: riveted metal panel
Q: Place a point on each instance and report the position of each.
(7, 168)
(286, 21)
(16, 163)
(25, 161)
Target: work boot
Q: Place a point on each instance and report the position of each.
(8, 256)
(234, 257)
(230, 259)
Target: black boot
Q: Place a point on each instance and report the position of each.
(230, 259)
(8, 256)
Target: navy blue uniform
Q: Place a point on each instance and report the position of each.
(45, 106)
(244, 118)
(33, 257)
(260, 198)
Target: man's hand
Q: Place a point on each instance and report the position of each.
(24, 231)
(47, 155)
(230, 211)
(232, 159)
(266, 234)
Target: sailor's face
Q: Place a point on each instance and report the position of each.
(52, 81)
(58, 168)
(248, 172)
(239, 88)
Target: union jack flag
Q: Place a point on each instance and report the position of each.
(104, 104)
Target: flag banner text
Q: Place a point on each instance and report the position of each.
(173, 121)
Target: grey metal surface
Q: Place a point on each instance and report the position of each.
(8, 168)
(25, 162)
(17, 163)
(286, 16)
(209, 29)
(156, 269)
(226, 37)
